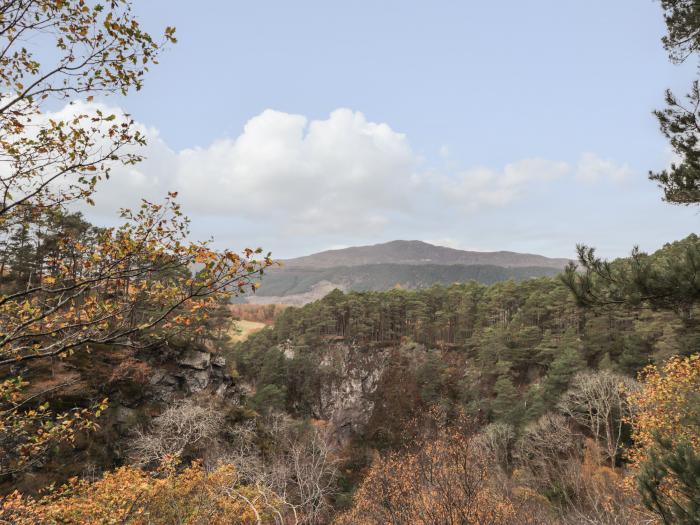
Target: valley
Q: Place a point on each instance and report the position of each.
(158, 366)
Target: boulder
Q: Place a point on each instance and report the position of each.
(195, 359)
(169, 380)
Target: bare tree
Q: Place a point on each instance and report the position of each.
(497, 440)
(313, 476)
(599, 402)
(573, 471)
(598, 494)
(544, 449)
(299, 470)
(187, 424)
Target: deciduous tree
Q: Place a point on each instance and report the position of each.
(129, 286)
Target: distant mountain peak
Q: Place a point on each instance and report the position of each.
(416, 252)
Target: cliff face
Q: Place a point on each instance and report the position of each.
(174, 372)
(191, 370)
(346, 396)
(354, 386)
(351, 383)
(138, 386)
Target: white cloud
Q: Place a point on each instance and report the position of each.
(591, 168)
(287, 175)
(479, 187)
(320, 176)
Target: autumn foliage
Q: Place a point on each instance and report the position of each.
(557, 451)
(668, 406)
(446, 479)
(66, 287)
(666, 453)
(132, 496)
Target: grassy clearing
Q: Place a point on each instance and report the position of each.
(241, 330)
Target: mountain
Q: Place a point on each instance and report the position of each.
(405, 264)
(419, 253)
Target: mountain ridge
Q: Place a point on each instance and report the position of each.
(414, 252)
(406, 264)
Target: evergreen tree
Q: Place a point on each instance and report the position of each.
(274, 368)
(268, 398)
(679, 119)
(667, 282)
(429, 377)
(535, 404)
(564, 367)
(666, 279)
(669, 482)
(636, 354)
(506, 407)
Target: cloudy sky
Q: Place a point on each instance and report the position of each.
(302, 126)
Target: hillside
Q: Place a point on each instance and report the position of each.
(298, 286)
(419, 253)
(404, 264)
(518, 360)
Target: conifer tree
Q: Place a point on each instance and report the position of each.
(506, 407)
(679, 120)
(679, 505)
(564, 367)
(665, 282)
(636, 354)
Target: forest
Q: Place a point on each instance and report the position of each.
(126, 397)
(384, 276)
(517, 361)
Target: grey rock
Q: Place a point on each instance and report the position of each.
(221, 391)
(287, 348)
(346, 399)
(198, 380)
(170, 380)
(195, 359)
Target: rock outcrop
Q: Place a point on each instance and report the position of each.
(199, 359)
(191, 370)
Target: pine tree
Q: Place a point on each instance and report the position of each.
(667, 282)
(535, 404)
(636, 354)
(564, 367)
(506, 407)
(669, 482)
(679, 119)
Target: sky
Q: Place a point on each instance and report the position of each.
(309, 125)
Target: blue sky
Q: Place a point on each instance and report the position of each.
(513, 125)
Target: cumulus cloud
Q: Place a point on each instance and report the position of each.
(340, 175)
(328, 174)
(321, 175)
(592, 168)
